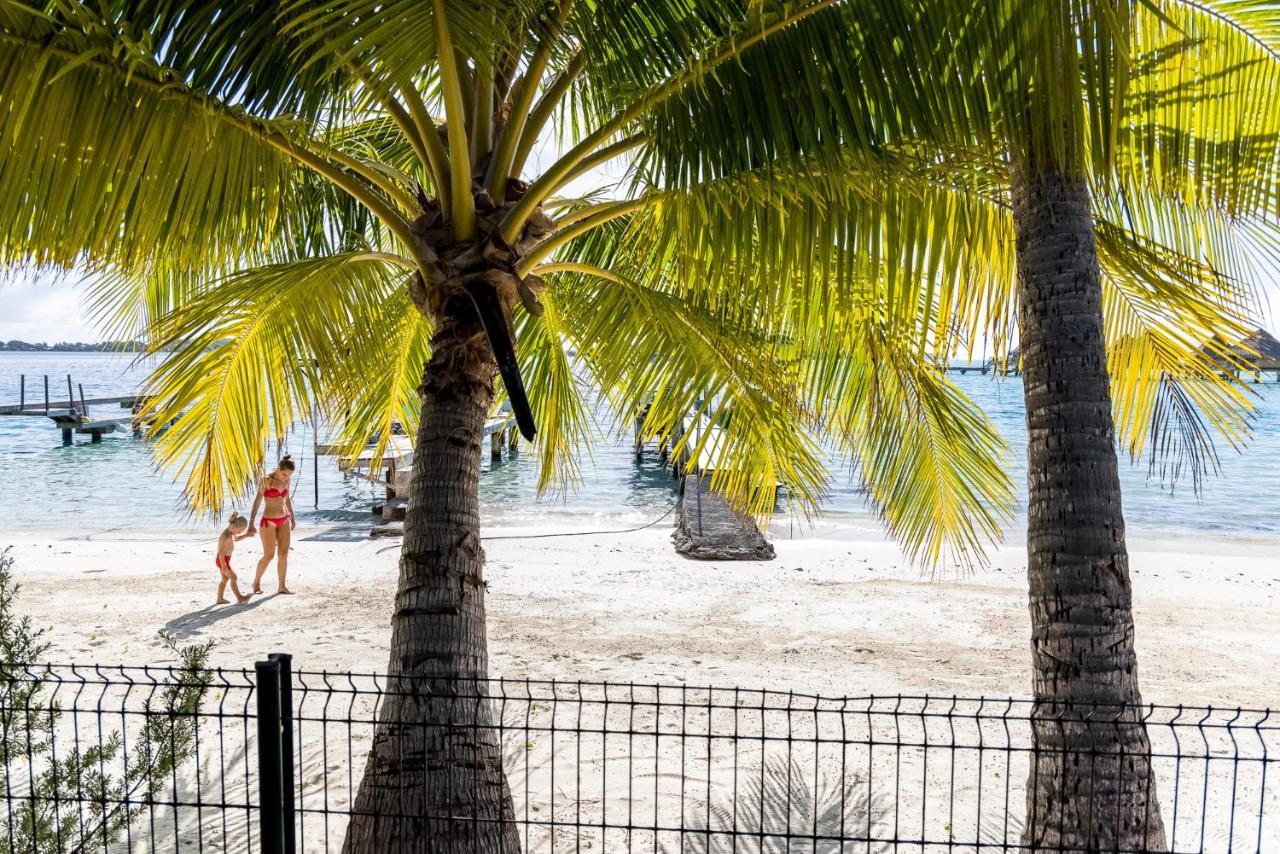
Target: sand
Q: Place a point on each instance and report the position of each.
(839, 614)
(835, 613)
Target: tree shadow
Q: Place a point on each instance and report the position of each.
(827, 818)
(342, 534)
(191, 624)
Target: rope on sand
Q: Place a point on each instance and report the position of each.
(670, 510)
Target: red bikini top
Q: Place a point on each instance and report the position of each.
(272, 492)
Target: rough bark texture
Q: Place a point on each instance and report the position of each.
(434, 779)
(1090, 786)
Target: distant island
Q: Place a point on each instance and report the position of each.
(72, 347)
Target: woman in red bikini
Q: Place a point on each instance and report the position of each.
(277, 523)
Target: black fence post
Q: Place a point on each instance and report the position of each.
(270, 758)
(287, 757)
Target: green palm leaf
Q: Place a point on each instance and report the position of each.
(663, 359)
(244, 360)
(555, 393)
(108, 162)
(372, 383)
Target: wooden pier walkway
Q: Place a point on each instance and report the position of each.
(71, 416)
(125, 401)
(395, 469)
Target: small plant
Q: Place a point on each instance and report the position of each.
(83, 799)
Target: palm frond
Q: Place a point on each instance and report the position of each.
(1170, 322)
(235, 52)
(851, 77)
(555, 393)
(371, 385)
(806, 234)
(400, 35)
(243, 361)
(932, 463)
(109, 159)
(662, 359)
(1198, 115)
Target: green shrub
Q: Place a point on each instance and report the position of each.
(81, 799)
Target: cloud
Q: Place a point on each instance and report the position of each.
(36, 308)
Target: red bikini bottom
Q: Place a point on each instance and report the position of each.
(274, 521)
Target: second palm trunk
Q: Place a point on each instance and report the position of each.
(434, 779)
(1091, 786)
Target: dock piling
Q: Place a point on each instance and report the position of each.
(84, 410)
(495, 446)
(22, 391)
(71, 395)
(46, 394)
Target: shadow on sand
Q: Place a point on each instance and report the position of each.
(342, 534)
(189, 625)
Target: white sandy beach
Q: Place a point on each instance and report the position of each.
(842, 617)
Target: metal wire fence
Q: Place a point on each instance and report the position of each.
(274, 760)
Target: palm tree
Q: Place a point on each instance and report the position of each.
(1088, 716)
(317, 209)
(1153, 123)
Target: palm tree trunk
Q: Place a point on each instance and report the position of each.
(1091, 786)
(434, 779)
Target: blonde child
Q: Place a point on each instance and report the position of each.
(237, 529)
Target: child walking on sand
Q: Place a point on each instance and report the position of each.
(237, 527)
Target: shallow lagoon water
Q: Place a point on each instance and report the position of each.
(115, 487)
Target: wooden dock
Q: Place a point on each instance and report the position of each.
(71, 416)
(700, 451)
(127, 401)
(394, 471)
(708, 527)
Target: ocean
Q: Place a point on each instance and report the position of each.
(115, 487)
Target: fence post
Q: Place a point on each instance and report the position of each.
(287, 757)
(270, 758)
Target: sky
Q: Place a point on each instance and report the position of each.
(43, 310)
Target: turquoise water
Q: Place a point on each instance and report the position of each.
(115, 487)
